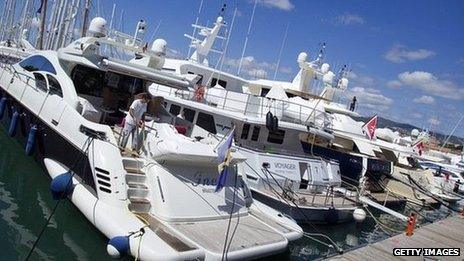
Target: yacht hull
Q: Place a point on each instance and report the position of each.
(355, 167)
(48, 142)
(307, 215)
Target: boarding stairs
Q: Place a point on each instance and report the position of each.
(137, 191)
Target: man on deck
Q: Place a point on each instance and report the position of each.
(135, 119)
(353, 104)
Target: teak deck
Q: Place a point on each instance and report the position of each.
(447, 233)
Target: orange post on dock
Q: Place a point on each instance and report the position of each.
(411, 224)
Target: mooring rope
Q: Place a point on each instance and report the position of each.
(87, 143)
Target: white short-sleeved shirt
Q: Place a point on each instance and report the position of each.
(139, 108)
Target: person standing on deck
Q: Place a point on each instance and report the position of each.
(135, 119)
(353, 104)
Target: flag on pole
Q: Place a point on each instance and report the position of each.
(369, 127)
(224, 156)
(418, 147)
(39, 11)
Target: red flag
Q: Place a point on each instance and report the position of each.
(418, 147)
(369, 127)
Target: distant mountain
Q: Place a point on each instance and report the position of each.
(406, 128)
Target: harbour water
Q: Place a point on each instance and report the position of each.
(25, 204)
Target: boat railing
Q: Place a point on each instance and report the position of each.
(15, 73)
(252, 105)
(321, 195)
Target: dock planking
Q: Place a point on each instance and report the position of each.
(446, 233)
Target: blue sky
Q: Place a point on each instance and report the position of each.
(406, 57)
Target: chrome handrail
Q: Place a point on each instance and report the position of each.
(264, 102)
(327, 191)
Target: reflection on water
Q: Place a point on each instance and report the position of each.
(25, 204)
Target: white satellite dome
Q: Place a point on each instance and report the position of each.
(415, 132)
(159, 47)
(302, 57)
(328, 77)
(325, 67)
(219, 19)
(97, 27)
(343, 83)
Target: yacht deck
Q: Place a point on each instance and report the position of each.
(249, 232)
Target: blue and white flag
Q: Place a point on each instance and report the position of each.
(223, 151)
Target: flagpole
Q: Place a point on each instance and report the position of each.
(375, 115)
(224, 137)
(43, 15)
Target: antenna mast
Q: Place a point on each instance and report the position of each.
(223, 57)
(280, 52)
(246, 38)
(452, 132)
(195, 29)
(85, 18)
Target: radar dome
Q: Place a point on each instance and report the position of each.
(415, 132)
(302, 57)
(97, 27)
(328, 77)
(219, 19)
(325, 67)
(159, 47)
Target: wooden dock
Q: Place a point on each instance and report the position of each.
(446, 233)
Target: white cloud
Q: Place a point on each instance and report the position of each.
(369, 98)
(417, 115)
(349, 19)
(254, 68)
(400, 53)
(461, 61)
(431, 84)
(433, 121)
(360, 79)
(424, 99)
(394, 84)
(285, 69)
(285, 5)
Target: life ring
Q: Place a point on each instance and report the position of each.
(199, 93)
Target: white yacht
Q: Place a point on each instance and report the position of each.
(277, 170)
(255, 98)
(386, 147)
(65, 106)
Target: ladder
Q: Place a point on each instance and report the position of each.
(137, 191)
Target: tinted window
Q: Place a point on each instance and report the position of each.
(245, 131)
(53, 86)
(264, 92)
(40, 82)
(276, 136)
(37, 63)
(174, 109)
(189, 114)
(221, 82)
(255, 134)
(206, 121)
